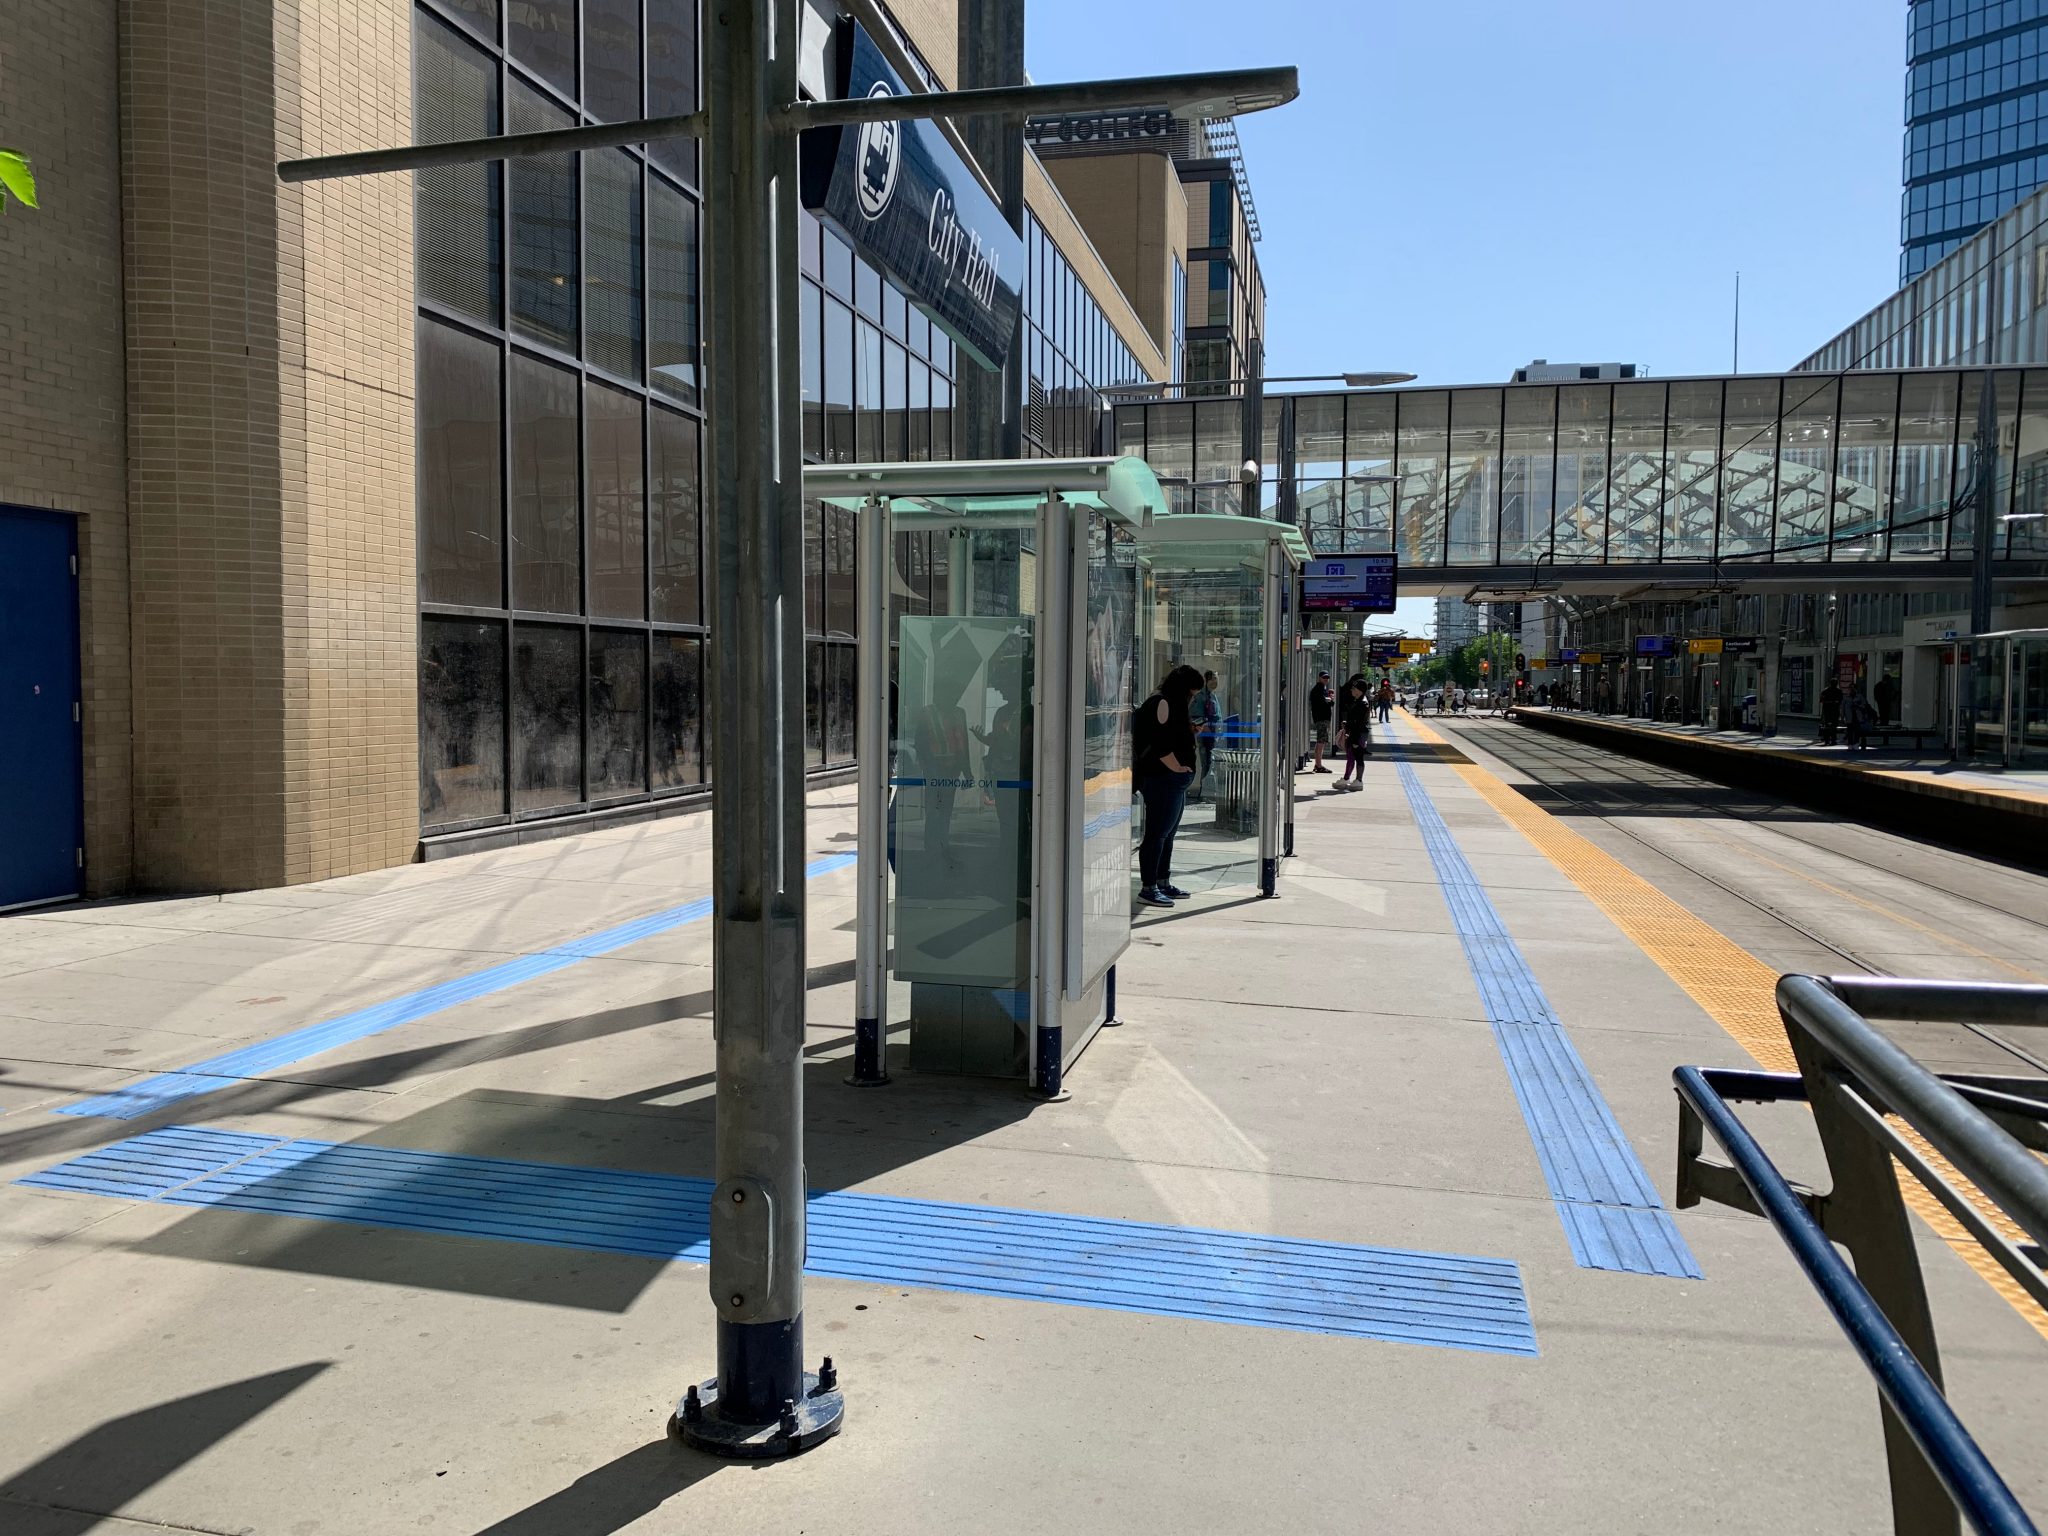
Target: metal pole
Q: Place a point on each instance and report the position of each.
(1050, 779)
(1272, 727)
(762, 1402)
(871, 921)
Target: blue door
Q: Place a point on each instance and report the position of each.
(42, 797)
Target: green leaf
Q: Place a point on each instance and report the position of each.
(16, 177)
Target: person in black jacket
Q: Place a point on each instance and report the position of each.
(1163, 766)
(1357, 732)
(1320, 708)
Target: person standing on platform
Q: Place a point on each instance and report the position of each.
(1163, 766)
(1386, 700)
(1830, 712)
(1206, 710)
(1886, 695)
(1356, 733)
(1320, 708)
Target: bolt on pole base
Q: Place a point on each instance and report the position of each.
(804, 1422)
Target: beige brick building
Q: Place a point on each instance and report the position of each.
(385, 491)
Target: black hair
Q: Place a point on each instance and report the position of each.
(1182, 683)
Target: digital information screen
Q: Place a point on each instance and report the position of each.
(1348, 584)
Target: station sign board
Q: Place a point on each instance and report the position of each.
(1590, 658)
(1417, 647)
(907, 201)
(1102, 128)
(1740, 645)
(1568, 656)
(1656, 645)
(1707, 646)
(1349, 584)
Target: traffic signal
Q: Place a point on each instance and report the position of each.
(1485, 665)
(1521, 662)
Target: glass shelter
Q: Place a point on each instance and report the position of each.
(994, 759)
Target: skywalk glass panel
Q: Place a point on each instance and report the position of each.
(2026, 528)
(1868, 434)
(1579, 529)
(1369, 470)
(1422, 429)
(1692, 462)
(1473, 492)
(1319, 469)
(1962, 497)
(1528, 472)
(1926, 469)
(1635, 482)
(1749, 467)
(1806, 447)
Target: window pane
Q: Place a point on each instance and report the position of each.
(618, 712)
(458, 233)
(1475, 474)
(840, 679)
(1528, 473)
(895, 384)
(867, 391)
(1863, 468)
(1582, 469)
(1749, 466)
(841, 548)
(1365, 514)
(611, 59)
(547, 720)
(838, 381)
(462, 720)
(678, 524)
(814, 704)
(543, 228)
(1692, 458)
(672, 290)
(678, 711)
(1419, 464)
(813, 390)
(480, 16)
(616, 509)
(1636, 483)
(461, 538)
(1805, 452)
(814, 568)
(612, 293)
(542, 36)
(672, 79)
(1928, 412)
(547, 565)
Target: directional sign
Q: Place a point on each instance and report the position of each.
(1417, 647)
(1710, 646)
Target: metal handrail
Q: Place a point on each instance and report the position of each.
(1911, 1393)
(1856, 1079)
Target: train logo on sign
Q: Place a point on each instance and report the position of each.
(881, 156)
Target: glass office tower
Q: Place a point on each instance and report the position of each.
(1976, 120)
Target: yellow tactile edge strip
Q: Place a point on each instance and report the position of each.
(1735, 989)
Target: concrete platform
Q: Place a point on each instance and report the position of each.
(1323, 1068)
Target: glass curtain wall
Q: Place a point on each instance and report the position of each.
(1072, 352)
(1636, 484)
(1580, 524)
(562, 619)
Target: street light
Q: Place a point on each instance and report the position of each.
(763, 1403)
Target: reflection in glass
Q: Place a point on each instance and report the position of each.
(672, 79)
(542, 35)
(462, 720)
(672, 317)
(456, 219)
(2026, 531)
(1319, 468)
(1474, 483)
(616, 504)
(814, 705)
(618, 712)
(1635, 480)
(547, 717)
(1692, 460)
(461, 550)
(1749, 466)
(678, 694)
(1926, 463)
(841, 683)
(1528, 473)
(546, 557)
(1862, 494)
(842, 548)
(611, 288)
(611, 59)
(1419, 461)
(1806, 450)
(543, 227)
(1965, 497)
(676, 508)
(1582, 470)
(1368, 491)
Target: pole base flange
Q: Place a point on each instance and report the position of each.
(868, 1082)
(810, 1420)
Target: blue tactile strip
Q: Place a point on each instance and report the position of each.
(155, 1093)
(1610, 1209)
(1446, 1300)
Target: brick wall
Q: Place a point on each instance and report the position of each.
(270, 446)
(62, 407)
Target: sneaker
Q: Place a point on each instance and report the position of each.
(1319, 770)
(1173, 891)
(1151, 898)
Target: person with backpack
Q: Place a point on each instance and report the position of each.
(1162, 768)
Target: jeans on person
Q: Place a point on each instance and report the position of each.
(1165, 795)
(1205, 760)
(1386, 711)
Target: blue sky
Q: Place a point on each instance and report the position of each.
(1465, 185)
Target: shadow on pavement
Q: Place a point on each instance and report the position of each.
(71, 1489)
(612, 1496)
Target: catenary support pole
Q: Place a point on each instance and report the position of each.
(871, 917)
(762, 1403)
